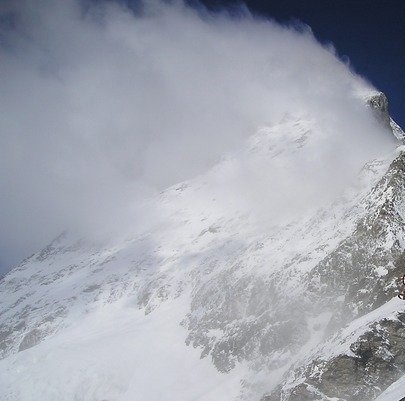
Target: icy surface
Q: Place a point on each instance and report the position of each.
(395, 392)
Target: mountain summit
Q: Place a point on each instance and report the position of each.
(220, 293)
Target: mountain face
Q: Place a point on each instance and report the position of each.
(206, 302)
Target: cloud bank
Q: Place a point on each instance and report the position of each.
(101, 107)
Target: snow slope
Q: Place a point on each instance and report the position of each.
(395, 392)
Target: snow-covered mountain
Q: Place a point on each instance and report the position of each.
(204, 300)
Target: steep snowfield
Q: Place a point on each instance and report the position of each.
(395, 392)
(116, 352)
(214, 294)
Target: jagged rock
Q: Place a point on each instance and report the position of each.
(355, 270)
(31, 339)
(379, 105)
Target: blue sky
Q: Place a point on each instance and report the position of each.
(369, 33)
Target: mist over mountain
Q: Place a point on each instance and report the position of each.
(102, 108)
(214, 204)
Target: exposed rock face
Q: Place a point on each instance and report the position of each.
(377, 361)
(380, 107)
(379, 104)
(364, 271)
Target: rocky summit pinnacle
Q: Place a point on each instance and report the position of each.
(379, 104)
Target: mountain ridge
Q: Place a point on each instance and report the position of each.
(247, 299)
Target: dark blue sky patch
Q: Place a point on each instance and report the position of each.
(370, 33)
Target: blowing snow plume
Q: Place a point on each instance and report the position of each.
(102, 107)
